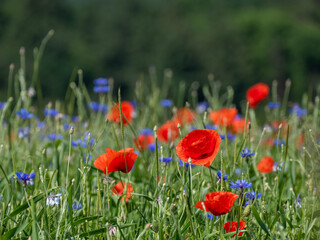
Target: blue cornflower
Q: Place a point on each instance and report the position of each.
(246, 153)
(24, 132)
(202, 107)
(230, 137)
(2, 105)
(76, 206)
(166, 103)
(240, 184)
(297, 110)
(75, 118)
(84, 142)
(165, 159)
(100, 81)
(50, 112)
(213, 127)
(66, 126)
(101, 89)
(26, 178)
(279, 142)
(41, 125)
(0, 197)
(53, 199)
(238, 171)
(54, 137)
(225, 176)
(146, 131)
(134, 103)
(152, 147)
(298, 201)
(253, 195)
(211, 216)
(272, 105)
(24, 114)
(97, 107)
(85, 158)
(182, 163)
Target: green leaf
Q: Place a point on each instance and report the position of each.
(260, 222)
(14, 231)
(316, 214)
(94, 232)
(23, 207)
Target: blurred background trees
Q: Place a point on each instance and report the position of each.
(240, 42)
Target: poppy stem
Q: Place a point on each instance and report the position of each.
(212, 179)
(157, 157)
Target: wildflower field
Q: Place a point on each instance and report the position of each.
(157, 166)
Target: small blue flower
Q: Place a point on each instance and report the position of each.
(50, 112)
(152, 147)
(41, 125)
(85, 158)
(24, 114)
(66, 126)
(54, 137)
(166, 103)
(100, 81)
(182, 163)
(146, 131)
(202, 107)
(213, 127)
(75, 118)
(24, 132)
(240, 184)
(230, 137)
(276, 167)
(273, 105)
(298, 201)
(165, 159)
(97, 107)
(2, 105)
(134, 103)
(279, 142)
(238, 172)
(26, 178)
(246, 153)
(101, 89)
(76, 206)
(253, 195)
(211, 217)
(53, 199)
(297, 110)
(225, 176)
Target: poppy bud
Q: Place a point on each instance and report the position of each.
(71, 130)
(155, 226)
(247, 211)
(174, 208)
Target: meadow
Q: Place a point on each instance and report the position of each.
(158, 166)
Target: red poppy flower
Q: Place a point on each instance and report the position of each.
(218, 203)
(300, 140)
(143, 141)
(168, 132)
(265, 165)
(201, 146)
(112, 161)
(119, 188)
(256, 94)
(224, 116)
(238, 125)
(185, 115)
(127, 111)
(233, 227)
